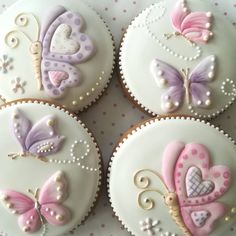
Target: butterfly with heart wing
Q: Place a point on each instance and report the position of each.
(193, 86)
(56, 49)
(194, 26)
(46, 207)
(191, 187)
(39, 140)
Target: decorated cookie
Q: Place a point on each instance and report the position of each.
(59, 51)
(178, 58)
(50, 170)
(176, 177)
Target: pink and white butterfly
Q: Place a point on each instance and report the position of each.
(39, 140)
(194, 26)
(192, 86)
(191, 187)
(58, 47)
(46, 207)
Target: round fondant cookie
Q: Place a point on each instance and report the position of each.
(50, 170)
(176, 176)
(57, 50)
(178, 58)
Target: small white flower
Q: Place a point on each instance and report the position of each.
(6, 64)
(149, 226)
(17, 85)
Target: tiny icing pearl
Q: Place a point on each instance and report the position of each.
(176, 104)
(163, 82)
(199, 102)
(169, 105)
(209, 14)
(211, 75)
(60, 217)
(208, 102)
(208, 25)
(208, 93)
(50, 123)
(26, 229)
(74, 103)
(206, 38)
(81, 98)
(160, 72)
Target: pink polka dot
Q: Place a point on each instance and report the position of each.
(202, 156)
(185, 157)
(226, 175)
(226, 183)
(189, 201)
(178, 174)
(216, 174)
(180, 165)
(203, 199)
(216, 194)
(194, 151)
(196, 201)
(209, 198)
(222, 190)
(204, 165)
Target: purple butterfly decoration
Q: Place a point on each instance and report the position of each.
(57, 48)
(193, 86)
(39, 140)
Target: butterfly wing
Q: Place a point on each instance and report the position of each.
(52, 195)
(16, 202)
(30, 222)
(178, 15)
(21, 126)
(196, 181)
(55, 214)
(170, 157)
(196, 26)
(199, 78)
(22, 205)
(200, 220)
(63, 45)
(43, 140)
(167, 76)
(57, 77)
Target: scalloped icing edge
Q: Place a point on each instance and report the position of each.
(130, 132)
(100, 162)
(139, 104)
(99, 95)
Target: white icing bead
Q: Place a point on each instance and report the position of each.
(209, 14)
(205, 38)
(199, 102)
(163, 82)
(169, 105)
(211, 75)
(160, 72)
(208, 102)
(208, 25)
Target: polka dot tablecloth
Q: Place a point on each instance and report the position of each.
(114, 114)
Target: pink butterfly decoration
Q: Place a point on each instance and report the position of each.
(188, 173)
(192, 86)
(39, 140)
(195, 26)
(45, 208)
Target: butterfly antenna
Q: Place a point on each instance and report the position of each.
(13, 156)
(144, 182)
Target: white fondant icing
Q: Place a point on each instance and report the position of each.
(137, 53)
(143, 149)
(32, 173)
(101, 63)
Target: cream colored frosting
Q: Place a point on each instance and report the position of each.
(143, 149)
(145, 41)
(78, 158)
(95, 71)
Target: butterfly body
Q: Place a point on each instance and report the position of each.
(171, 200)
(36, 54)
